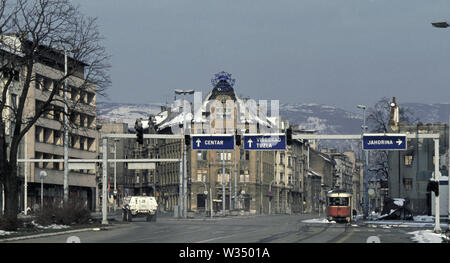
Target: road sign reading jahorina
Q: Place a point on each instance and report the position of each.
(265, 142)
(212, 142)
(384, 141)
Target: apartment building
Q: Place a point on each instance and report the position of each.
(45, 139)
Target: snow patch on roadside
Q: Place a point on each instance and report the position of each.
(5, 233)
(319, 220)
(426, 236)
(53, 226)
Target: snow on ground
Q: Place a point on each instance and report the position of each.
(319, 220)
(399, 201)
(423, 218)
(426, 236)
(53, 226)
(5, 233)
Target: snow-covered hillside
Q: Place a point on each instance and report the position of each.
(324, 119)
(125, 112)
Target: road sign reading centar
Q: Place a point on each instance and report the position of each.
(213, 142)
(384, 141)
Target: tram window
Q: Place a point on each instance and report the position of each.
(338, 201)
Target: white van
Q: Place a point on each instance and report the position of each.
(139, 206)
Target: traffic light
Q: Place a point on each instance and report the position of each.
(139, 131)
(289, 136)
(434, 187)
(238, 139)
(187, 139)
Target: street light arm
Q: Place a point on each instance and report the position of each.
(440, 24)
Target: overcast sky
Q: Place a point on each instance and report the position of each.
(340, 53)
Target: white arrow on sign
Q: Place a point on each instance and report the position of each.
(198, 141)
(250, 143)
(399, 142)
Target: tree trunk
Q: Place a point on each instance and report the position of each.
(11, 197)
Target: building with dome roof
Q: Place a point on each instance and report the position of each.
(257, 182)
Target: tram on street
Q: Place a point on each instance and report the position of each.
(339, 206)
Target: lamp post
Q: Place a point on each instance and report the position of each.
(25, 174)
(365, 161)
(444, 24)
(183, 175)
(42, 175)
(66, 135)
(115, 172)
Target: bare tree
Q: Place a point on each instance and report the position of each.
(378, 122)
(33, 33)
(379, 115)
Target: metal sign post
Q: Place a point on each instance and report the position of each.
(88, 163)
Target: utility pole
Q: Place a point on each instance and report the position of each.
(235, 179)
(183, 164)
(66, 136)
(115, 173)
(105, 181)
(223, 183)
(365, 163)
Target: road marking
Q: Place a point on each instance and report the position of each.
(345, 237)
(216, 238)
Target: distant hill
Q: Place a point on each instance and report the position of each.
(322, 118)
(125, 112)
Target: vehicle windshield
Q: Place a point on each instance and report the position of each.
(338, 201)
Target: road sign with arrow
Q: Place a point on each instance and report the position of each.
(212, 142)
(384, 141)
(265, 142)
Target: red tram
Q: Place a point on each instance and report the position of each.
(339, 206)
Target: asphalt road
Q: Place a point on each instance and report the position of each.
(235, 229)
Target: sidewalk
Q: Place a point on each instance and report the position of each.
(96, 216)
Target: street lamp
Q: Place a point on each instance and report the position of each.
(365, 160)
(42, 176)
(115, 173)
(437, 227)
(183, 172)
(66, 126)
(25, 182)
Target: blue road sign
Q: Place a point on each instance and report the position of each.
(384, 142)
(265, 142)
(212, 142)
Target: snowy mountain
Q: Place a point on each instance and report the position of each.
(322, 118)
(125, 112)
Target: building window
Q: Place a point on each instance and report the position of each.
(407, 183)
(408, 160)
